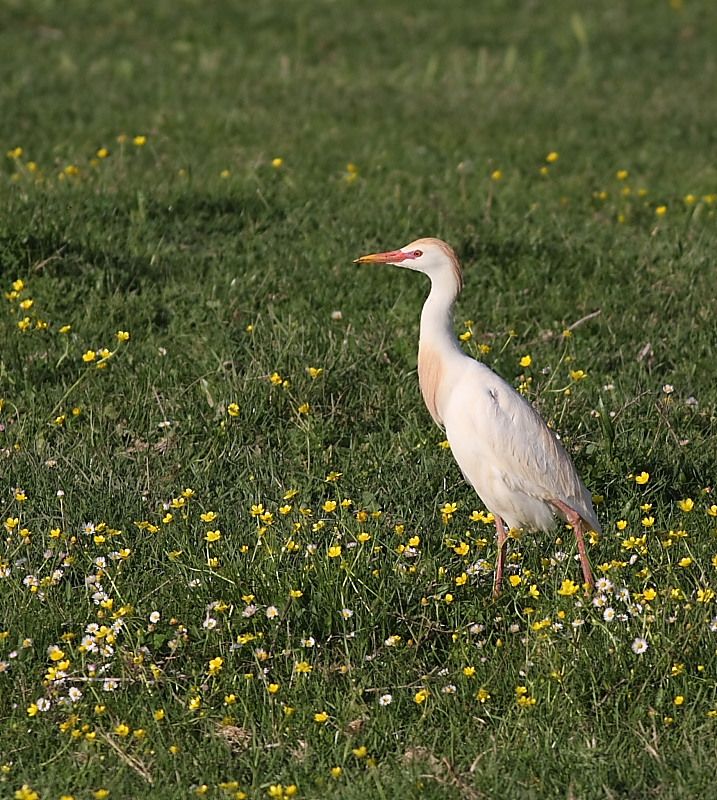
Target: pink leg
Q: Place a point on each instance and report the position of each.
(579, 526)
(502, 536)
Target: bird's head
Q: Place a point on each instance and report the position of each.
(433, 257)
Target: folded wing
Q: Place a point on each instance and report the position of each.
(491, 420)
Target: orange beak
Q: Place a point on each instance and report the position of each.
(392, 257)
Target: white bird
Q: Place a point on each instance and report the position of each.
(507, 453)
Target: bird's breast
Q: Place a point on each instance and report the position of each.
(430, 377)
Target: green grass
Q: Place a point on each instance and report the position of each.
(225, 270)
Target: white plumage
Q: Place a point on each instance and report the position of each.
(516, 464)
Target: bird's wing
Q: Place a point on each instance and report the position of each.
(508, 429)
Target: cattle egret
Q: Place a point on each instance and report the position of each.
(507, 453)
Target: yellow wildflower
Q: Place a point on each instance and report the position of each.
(705, 595)
(568, 588)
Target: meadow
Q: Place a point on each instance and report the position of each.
(238, 560)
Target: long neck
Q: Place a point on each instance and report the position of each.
(437, 317)
(437, 345)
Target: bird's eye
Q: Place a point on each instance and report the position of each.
(417, 253)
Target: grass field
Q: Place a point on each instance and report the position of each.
(237, 559)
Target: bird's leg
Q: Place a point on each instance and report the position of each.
(502, 537)
(578, 525)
